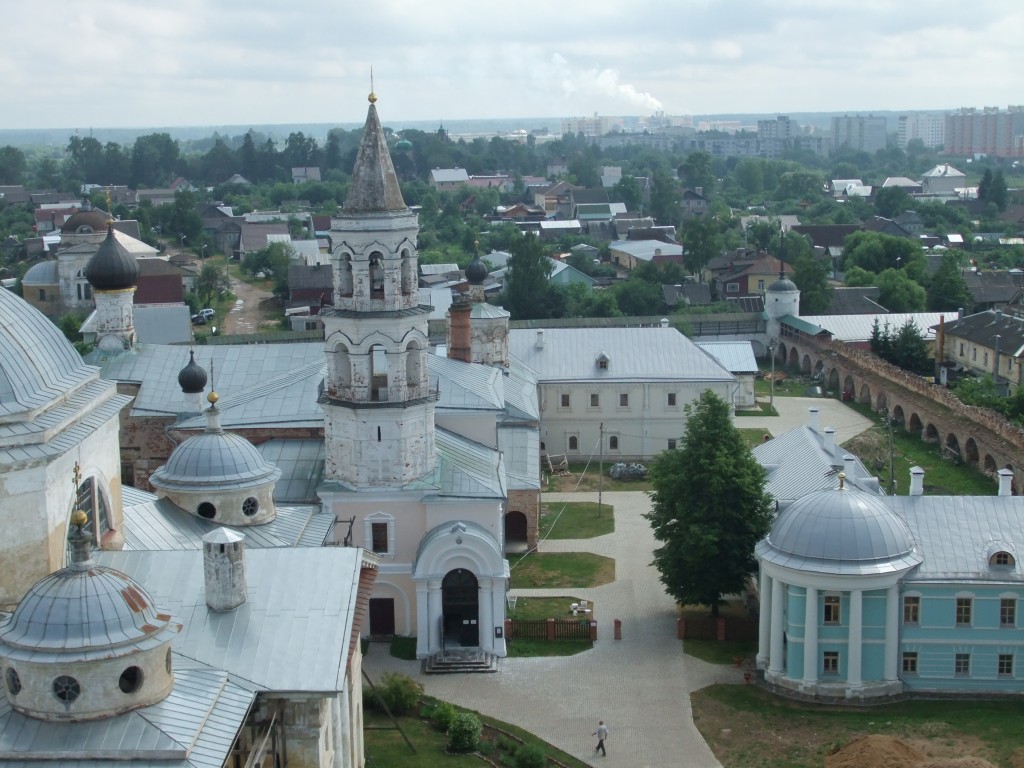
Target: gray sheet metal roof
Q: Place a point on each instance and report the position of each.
(520, 448)
(153, 524)
(195, 726)
(37, 364)
(635, 354)
(162, 324)
(464, 468)
(291, 634)
(521, 397)
(734, 356)
(302, 469)
(858, 327)
(798, 464)
(467, 386)
(840, 532)
(956, 533)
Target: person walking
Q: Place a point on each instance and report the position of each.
(602, 734)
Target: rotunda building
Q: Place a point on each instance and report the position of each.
(86, 642)
(219, 476)
(830, 572)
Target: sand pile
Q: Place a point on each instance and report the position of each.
(875, 752)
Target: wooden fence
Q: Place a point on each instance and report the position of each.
(551, 629)
(722, 628)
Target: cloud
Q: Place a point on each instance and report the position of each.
(600, 82)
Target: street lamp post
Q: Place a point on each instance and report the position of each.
(771, 382)
(202, 251)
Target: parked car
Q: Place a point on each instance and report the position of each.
(207, 313)
(198, 319)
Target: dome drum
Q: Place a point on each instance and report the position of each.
(238, 508)
(88, 690)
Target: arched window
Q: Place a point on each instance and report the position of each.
(344, 277)
(613, 443)
(408, 272)
(378, 373)
(574, 444)
(413, 365)
(1001, 558)
(376, 276)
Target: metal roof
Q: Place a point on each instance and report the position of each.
(956, 535)
(634, 354)
(162, 323)
(37, 364)
(153, 524)
(291, 634)
(194, 727)
(734, 356)
(467, 386)
(520, 448)
(302, 469)
(859, 327)
(463, 468)
(646, 250)
(840, 531)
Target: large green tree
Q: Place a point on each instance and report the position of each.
(709, 508)
(526, 282)
(702, 241)
(947, 289)
(811, 277)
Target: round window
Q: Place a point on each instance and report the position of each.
(13, 681)
(250, 506)
(130, 680)
(66, 688)
(207, 510)
(167, 661)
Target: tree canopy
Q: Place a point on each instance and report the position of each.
(709, 508)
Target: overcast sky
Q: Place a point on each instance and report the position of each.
(142, 63)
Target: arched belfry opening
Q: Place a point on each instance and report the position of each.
(460, 608)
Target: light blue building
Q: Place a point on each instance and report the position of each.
(865, 595)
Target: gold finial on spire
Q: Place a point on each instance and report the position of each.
(78, 516)
(76, 475)
(213, 397)
(372, 98)
(842, 481)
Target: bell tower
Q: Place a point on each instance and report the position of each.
(377, 399)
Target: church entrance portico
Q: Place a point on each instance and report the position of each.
(460, 609)
(461, 577)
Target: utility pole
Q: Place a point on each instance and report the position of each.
(892, 480)
(771, 392)
(600, 474)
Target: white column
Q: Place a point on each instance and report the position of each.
(434, 614)
(423, 619)
(892, 632)
(856, 637)
(775, 654)
(764, 620)
(811, 636)
(485, 614)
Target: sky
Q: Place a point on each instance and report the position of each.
(143, 63)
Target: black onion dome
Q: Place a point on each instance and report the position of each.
(112, 268)
(476, 272)
(192, 378)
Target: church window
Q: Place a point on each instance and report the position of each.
(671, 399)
(378, 434)
(910, 663)
(595, 400)
(623, 400)
(379, 374)
(207, 510)
(564, 400)
(832, 608)
(613, 443)
(574, 443)
(1008, 612)
(911, 609)
(379, 533)
(1005, 667)
(962, 665)
(42, 294)
(963, 611)
(376, 276)
(66, 688)
(167, 661)
(13, 681)
(1001, 558)
(250, 506)
(830, 662)
(130, 680)
(79, 287)
(380, 537)
(671, 444)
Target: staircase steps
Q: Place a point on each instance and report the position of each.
(460, 661)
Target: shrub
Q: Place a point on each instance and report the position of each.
(464, 733)
(443, 715)
(530, 756)
(399, 692)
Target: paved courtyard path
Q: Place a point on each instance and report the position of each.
(795, 411)
(639, 685)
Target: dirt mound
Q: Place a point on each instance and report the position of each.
(957, 762)
(875, 752)
(1017, 759)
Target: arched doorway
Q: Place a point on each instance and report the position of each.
(515, 532)
(459, 605)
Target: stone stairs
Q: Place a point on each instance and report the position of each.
(460, 661)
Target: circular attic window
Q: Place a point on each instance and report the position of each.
(207, 510)
(13, 681)
(130, 680)
(66, 688)
(250, 506)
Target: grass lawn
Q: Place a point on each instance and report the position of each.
(761, 409)
(544, 608)
(576, 520)
(535, 608)
(582, 477)
(753, 437)
(941, 476)
(385, 747)
(526, 648)
(747, 726)
(560, 569)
